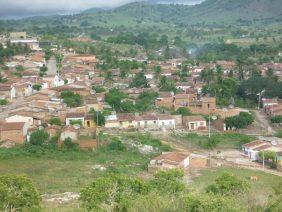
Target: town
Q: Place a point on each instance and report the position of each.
(127, 108)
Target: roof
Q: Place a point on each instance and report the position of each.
(75, 115)
(254, 143)
(265, 146)
(193, 118)
(164, 117)
(173, 157)
(182, 96)
(165, 94)
(9, 126)
(125, 117)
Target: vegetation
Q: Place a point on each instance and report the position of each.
(276, 119)
(39, 137)
(71, 99)
(18, 193)
(55, 121)
(241, 121)
(98, 89)
(37, 87)
(3, 102)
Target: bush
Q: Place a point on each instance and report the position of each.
(116, 145)
(241, 121)
(3, 101)
(17, 193)
(276, 119)
(37, 87)
(71, 99)
(69, 144)
(183, 111)
(98, 89)
(55, 121)
(39, 137)
(228, 184)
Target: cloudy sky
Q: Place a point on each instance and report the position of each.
(29, 7)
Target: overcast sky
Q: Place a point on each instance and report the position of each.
(24, 7)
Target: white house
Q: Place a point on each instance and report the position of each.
(17, 118)
(253, 148)
(75, 117)
(194, 122)
(69, 132)
(166, 121)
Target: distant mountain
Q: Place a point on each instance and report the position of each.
(145, 14)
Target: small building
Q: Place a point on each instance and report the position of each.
(78, 118)
(14, 131)
(69, 132)
(194, 122)
(170, 160)
(253, 148)
(19, 118)
(166, 121)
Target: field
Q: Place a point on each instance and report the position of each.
(259, 190)
(69, 171)
(225, 141)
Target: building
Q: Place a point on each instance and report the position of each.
(194, 122)
(77, 118)
(69, 132)
(14, 131)
(165, 121)
(19, 118)
(165, 99)
(253, 148)
(169, 160)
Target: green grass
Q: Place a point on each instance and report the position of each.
(227, 140)
(259, 190)
(55, 172)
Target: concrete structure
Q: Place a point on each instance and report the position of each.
(194, 122)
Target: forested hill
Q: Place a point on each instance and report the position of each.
(210, 12)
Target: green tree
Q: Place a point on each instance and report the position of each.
(55, 121)
(71, 99)
(69, 144)
(241, 121)
(39, 137)
(97, 116)
(183, 111)
(114, 98)
(139, 81)
(98, 88)
(166, 84)
(18, 193)
(228, 184)
(37, 87)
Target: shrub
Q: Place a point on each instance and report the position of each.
(116, 145)
(3, 101)
(241, 121)
(17, 193)
(55, 121)
(98, 89)
(276, 119)
(39, 137)
(69, 144)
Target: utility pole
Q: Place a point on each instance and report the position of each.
(97, 129)
(263, 160)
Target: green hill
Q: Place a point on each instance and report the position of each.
(144, 14)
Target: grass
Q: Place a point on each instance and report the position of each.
(259, 190)
(56, 172)
(226, 140)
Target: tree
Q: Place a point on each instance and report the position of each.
(17, 193)
(183, 111)
(157, 71)
(48, 54)
(146, 100)
(97, 116)
(166, 84)
(114, 98)
(39, 137)
(3, 102)
(98, 88)
(55, 121)
(241, 121)
(69, 144)
(116, 145)
(139, 81)
(37, 87)
(71, 99)
(43, 70)
(228, 184)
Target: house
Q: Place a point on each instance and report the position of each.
(253, 148)
(75, 118)
(89, 122)
(165, 99)
(19, 118)
(269, 102)
(147, 121)
(14, 131)
(69, 132)
(170, 160)
(184, 100)
(166, 121)
(121, 120)
(194, 122)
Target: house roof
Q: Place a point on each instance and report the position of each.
(165, 94)
(164, 117)
(125, 117)
(265, 146)
(9, 126)
(193, 118)
(75, 115)
(254, 143)
(173, 156)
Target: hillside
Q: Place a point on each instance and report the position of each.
(144, 14)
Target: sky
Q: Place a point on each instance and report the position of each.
(18, 8)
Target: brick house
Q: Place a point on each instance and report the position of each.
(165, 99)
(194, 122)
(14, 131)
